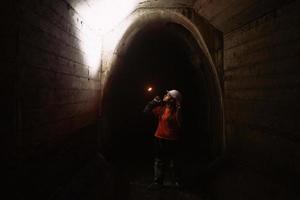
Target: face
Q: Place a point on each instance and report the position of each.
(167, 98)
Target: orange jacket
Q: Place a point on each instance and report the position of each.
(168, 124)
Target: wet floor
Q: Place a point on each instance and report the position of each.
(139, 191)
(100, 180)
(129, 181)
(140, 176)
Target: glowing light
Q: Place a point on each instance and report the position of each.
(98, 17)
(149, 89)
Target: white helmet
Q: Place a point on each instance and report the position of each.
(176, 95)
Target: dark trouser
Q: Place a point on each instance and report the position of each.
(166, 152)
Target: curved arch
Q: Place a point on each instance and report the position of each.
(141, 19)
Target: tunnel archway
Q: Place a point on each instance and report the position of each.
(164, 54)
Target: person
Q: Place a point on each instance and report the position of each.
(167, 136)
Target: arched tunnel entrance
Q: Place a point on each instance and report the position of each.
(163, 55)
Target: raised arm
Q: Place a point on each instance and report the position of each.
(152, 104)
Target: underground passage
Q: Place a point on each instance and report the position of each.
(82, 82)
(159, 58)
(164, 56)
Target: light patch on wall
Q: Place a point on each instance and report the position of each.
(99, 17)
(91, 46)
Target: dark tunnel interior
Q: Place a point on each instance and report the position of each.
(74, 82)
(160, 57)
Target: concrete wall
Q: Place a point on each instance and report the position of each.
(51, 97)
(261, 63)
(232, 14)
(57, 93)
(116, 40)
(8, 38)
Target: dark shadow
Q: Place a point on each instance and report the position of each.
(162, 55)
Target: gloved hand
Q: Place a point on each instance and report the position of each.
(157, 99)
(155, 102)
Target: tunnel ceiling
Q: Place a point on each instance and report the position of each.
(166, 3)
(224, 15)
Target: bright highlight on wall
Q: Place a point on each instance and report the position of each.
(100, 17)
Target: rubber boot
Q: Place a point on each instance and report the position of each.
(158, 175)
(175, 175)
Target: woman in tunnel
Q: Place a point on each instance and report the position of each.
(168, 112)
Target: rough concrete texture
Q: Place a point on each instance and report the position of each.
(50, 101)
(261, 86)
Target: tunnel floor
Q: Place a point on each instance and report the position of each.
(100, 180)
(141, 176)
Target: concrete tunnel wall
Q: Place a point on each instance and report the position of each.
(261, 88)
(51, 99)
(54, 100)
(41, 49)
